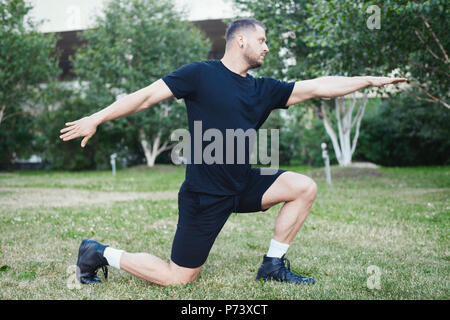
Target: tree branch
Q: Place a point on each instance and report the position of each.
(358, 123)
(429, 50)
(436, 100)
(2, 111)
(338, 107)
(423, 99)
(430, 68)
(350, 111)
(331, 133)
(9, 115)
(167, 147)
(434, 37)
(357, 114)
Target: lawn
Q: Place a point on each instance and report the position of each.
(375, 234)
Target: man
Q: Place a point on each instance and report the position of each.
(222, 95)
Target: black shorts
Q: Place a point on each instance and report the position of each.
(201, 216)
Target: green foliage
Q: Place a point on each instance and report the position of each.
(307, 133)
(286, 29)
(27, 59)
(56, 153)
(65, 103)
(16, 138)
(406, 132)
(412, 41)
(332, 38)
(300, 136)
(134, 44)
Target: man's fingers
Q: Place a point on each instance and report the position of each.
(84, 141)
(66, 129)
(69, 133)
(71, 136)
(382, 81)
(76, 129)
(396, 80)
(69, 126)
(391, 81)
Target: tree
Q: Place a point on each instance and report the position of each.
(65, 103)
(292, 56)
(286, 30)
(404, 131)
(134, 44)
(344, 146)
(28, 61)
(317, 38)
(408, 38)
(361, 37)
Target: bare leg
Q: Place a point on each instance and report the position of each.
(298, 192)
(290, 219)
(153, 269)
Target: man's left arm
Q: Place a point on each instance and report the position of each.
(335, 86)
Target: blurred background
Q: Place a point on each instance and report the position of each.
(61, 60)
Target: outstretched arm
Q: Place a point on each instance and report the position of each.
(131, 104)
(335, 86)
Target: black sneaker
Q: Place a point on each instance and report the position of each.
(90, 259)
(274, 269)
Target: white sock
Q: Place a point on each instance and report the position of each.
(277, 249)
(113, 256)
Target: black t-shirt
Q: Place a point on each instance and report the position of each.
(223, 99)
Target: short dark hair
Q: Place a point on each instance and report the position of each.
(240, 24)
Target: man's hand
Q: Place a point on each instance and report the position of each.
(381, 81)
(131, 104)
(84, 127)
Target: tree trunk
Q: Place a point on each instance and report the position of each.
(2, 111)
(331, 133)
(153, 151)
(343, 145)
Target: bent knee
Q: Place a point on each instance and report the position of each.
(312, 188)
(180, 275)
(304, 187)
(310, 191)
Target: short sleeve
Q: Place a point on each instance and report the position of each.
(182, 82)
(277, 92)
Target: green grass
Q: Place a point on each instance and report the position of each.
(162, 177)
(396, 219)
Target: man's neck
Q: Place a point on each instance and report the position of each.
(235, 64)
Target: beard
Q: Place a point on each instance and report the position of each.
(252, 61)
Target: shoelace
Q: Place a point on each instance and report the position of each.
(282, 273)
(284, 259)
(105, 271)
(285, 272)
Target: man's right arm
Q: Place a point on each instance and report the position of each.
(130, 104)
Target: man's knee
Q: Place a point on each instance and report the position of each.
(312, 189)
(289, 186)
(305, 187)
(181, 275)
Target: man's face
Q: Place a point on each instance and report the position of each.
(255, 47)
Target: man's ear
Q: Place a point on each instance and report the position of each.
(240, 40)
